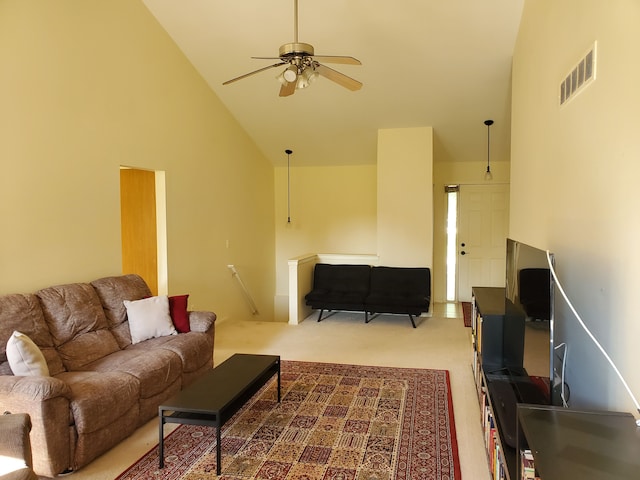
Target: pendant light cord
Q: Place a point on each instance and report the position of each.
(488, 146)
(487, 174)
(288, 152)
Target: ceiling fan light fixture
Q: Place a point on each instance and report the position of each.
(302, 82)
(290, 74)
(311, 74)
(307, 77)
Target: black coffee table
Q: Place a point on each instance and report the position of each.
(215, 397)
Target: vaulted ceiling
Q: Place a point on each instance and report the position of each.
(439, 63)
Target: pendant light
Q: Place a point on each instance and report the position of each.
(487, 174)
(288, 152)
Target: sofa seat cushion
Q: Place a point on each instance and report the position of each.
(347, 298)
(24, 314)
(193, 349)
(153, 368)
(112, 291)
(77, 324)
(408, 300)
(98, 398)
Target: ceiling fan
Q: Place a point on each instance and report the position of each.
(303, 66)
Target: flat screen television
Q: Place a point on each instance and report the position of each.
(529, 315)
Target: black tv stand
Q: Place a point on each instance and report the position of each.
(505, 394)
(502, 383)
(557, 443)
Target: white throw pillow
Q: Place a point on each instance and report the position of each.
(24, 356)
(149, 318)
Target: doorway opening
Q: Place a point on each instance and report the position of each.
(143, 222)
(451, 192)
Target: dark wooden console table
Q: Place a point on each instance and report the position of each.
(215, 397)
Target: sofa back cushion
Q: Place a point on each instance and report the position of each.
(341, 278)
(23, 313)
(112, 292)
(77, 324)
(401, 281)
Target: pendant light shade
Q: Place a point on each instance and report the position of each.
(488, 175)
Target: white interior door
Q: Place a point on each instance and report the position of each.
(483, 224)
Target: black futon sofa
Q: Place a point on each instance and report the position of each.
(397, 290)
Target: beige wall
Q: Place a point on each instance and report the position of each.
(333, 210)
(89, 86)
(574, 178)
(405, 197)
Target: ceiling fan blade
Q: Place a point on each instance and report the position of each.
(253, 73)
(339, 78)
(345, 60)
(287, 88)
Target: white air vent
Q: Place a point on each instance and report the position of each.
(582, 74)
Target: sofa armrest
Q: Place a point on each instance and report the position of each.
(46, 401)
(201, 321)
(15, 445)
(32, 388)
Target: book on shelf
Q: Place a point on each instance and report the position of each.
(496, 458)
(488, 423)
(527, 466)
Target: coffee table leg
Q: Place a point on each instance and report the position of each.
(161, 440)
(218, 451)
(278, 381)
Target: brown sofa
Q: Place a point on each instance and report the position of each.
(101, 387)
(15, 447)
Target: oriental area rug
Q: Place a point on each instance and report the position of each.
(335, 422)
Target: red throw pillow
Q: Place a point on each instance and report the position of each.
(179, 314)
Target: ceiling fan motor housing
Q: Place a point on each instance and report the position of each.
(296, 49)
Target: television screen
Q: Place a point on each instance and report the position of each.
(529, 313)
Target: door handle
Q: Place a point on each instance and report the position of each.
(463, 252)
